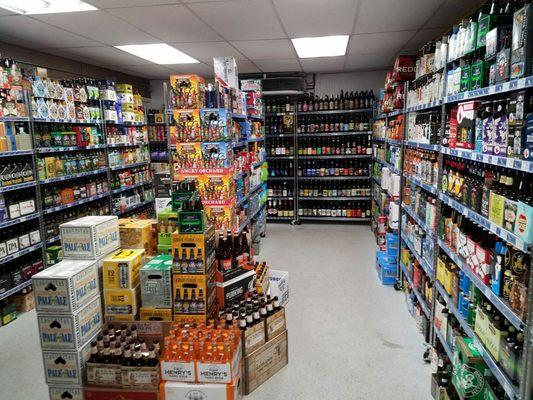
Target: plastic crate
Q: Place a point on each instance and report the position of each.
(392, 244)
(386, 272)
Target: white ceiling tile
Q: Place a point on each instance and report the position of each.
(200, 69)
(278, 65)
(151, 71)
(170, 23)
(263, 49)
(38, 34)
(393, 15)
(205, 51)
(368, 62)
(103, 4)
(323, 64)
(241, 20)
(373, 43)
(450, 13)
(105, 55)
(422, 37)
(316, 17)
(246, 67)
(99, 25)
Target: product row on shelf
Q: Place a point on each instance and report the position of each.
(451, 204)
(329, 153)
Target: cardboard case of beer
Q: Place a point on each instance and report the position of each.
(59, 331)
(65, 393)
(218, 391)
(122, 301)
(137, 234)
(156, 282)
(104, 393)
(89, 237)
(66, 287)
(279, 285)
(235, 288)
(121, 269)
(66, 367)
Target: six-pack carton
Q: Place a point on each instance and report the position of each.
(121, 269)
(156, 282)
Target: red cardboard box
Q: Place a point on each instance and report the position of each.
(98, 393)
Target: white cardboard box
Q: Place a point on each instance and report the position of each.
(279, 285)
(89, 237)
(204, 391)
(70, 331)
(65, 393)
(66, 287)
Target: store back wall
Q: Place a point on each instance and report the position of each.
(324, 84)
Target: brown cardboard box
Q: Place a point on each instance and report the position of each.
(24, 302)
(187, 286)
(140, 377)
(275, 324)
(183, 243)
(253, 338)
(137, 234)
(155, 314)
(263, 363)
(108, 375)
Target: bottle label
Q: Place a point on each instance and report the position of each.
(227, 264)
(214, 373)
(177, 371)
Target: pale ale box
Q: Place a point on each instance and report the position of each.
(211, 391)
(65, 393)
(58, 331)
(89, 237)
(66, 367)
(66, 287)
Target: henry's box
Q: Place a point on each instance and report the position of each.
(66, 286)
(89, 237)
(70, 331)
(216, 391)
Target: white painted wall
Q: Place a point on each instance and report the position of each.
(324, 84)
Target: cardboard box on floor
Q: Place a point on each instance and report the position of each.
(65, 393)
(204, 391)
(101, 393)
(264, 362)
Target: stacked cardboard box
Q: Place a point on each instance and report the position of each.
(156, 289)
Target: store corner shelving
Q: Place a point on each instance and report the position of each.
(523, 389)
(295, 157)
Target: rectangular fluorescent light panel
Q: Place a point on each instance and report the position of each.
(159, 53)
(45, 6)
(322, 46)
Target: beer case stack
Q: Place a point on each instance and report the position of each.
(156, 289)
(68, 303)
(194, 285)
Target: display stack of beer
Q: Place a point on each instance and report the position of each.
(193, 275)
(68, 303)
(156, 289)
(120, 358)
(209, 354)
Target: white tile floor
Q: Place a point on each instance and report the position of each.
(349, 337)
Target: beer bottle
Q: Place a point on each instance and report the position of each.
(200, 302)
(133, 329)
(152, 360)
(111, 329)
(106, 354)
(263, 310)
(142, 343)
(127, 360)
(117, 354)
(242, 322)
(191, 265)
(94, 352)
(157, 347)
(138, 359)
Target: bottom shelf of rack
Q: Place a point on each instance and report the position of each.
(317, 218)
(16, 289)
(273, 218)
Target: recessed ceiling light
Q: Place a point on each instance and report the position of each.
(321, 46)
(45, 6)
(159, 53)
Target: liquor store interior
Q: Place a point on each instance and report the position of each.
(183, 183)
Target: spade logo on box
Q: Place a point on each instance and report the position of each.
(195, 395)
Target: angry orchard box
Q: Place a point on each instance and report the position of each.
(89, 237)
(70, 331)
(66, 287)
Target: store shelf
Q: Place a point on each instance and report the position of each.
(258, 163)
(53, 239)
(317, 218)
(445, 344)
(510, 237)
(256, 139)
(422, 224)
(20, 253)
(394, 113)
(280, 178)
(255, 117)
(16, 289)
(498, 302)
(392, 168)
(512, 163)
(339, 198)
(252, 191)
(120, 167)
(68, 121)
(238, 116)
(423, 185)
(69, 148)
(125, 188)
(19, 220)
(421, 300)
(504, 87)
(280, 157)
(14, 119)
(74, 176)
(340, 177)
(273, 218)
(426, 265)
(158, 143)
(335, 156)
(327, 112)
(393, 142)
(249, 219)
(500, 376)
(377, 181)
(276, 135)
(279, 114)
(18, 186)
(424, 106)
(378, 139)
(240, 143)
(76, 203)
(15, 153)
(115, 145)
(281, 197)
(134, 207)
(124, 123)
(327, 134)
(424, 146)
